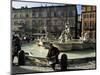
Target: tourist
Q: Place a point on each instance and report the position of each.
(52, 56)
(21, 57)
(64, 62)
(16, 46)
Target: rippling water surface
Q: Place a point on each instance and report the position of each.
(39, 51)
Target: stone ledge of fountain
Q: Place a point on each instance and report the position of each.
(75, 46)
(44, 63)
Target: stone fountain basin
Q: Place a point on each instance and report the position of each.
(72, 45)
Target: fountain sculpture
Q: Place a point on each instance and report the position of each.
(65, 41)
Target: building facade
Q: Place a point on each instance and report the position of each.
(49, 19)
(89, 20)
(21, 20)
(79, 26)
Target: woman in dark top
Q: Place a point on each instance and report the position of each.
(53, 56)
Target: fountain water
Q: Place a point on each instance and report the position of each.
(67, 43)
(85, 37)
(65, 35)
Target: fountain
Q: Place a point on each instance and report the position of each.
(65, 41)
(65, 35)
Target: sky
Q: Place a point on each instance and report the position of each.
(18, 4)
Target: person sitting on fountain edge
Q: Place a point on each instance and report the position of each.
(52, 56)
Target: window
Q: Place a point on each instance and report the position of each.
(48, 22)
(55, 22)
(94, 8)
(73, 13)
(91, 15)
(15, 16)
(84, 15)
(86, 26)
(40, 22)
(59, 13)
(89, 8)
(55, 14)
(59, 22)
(52, 14)
(33, 14)
(87, 15)
(92, 25)
(40, 14)
(36, 14)
(33, 22)
(44, 13)
(83, 8)
(94, 15)
(62, 14)
(21, 16)
(48, 14)
(27, 15)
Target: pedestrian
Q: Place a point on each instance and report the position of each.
(64, 62)
(52, 56)
(16, 44)
(14, 53)
(21, 57)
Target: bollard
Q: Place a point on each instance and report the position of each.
(21, 58)
(64, 62)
